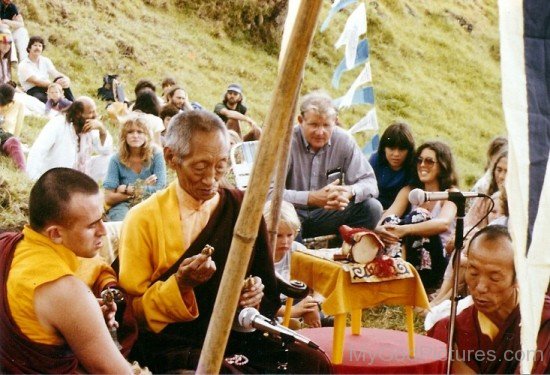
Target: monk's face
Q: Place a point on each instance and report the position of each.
(200, 172)
(83, 230)
(490, 275)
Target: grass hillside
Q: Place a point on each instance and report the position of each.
(435, 64)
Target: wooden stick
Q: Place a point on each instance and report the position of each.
(246, 229)
(280, 178)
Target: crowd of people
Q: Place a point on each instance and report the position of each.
(165, 282)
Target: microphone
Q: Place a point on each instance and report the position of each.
(419, 196)
(249, 318)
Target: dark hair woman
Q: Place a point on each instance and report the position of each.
(393, 164)
(426, 229)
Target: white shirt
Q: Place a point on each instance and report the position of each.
(43, 70)
(57, 145)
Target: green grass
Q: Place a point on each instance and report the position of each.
(428, 69)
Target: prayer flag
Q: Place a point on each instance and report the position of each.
(356, 25)
(357, 93)
(372, 146)
(525, 67)
(361, 56)
(369, 122)
(337, 6)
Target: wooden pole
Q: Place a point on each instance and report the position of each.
(280, 178)
(246, 229)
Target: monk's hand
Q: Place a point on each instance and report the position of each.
(252, 293)
(109, 310)
(194, 271)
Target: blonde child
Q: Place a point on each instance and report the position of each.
(56, 99)
(289, 226)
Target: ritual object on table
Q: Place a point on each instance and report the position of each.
(365, 250)
(360, 245)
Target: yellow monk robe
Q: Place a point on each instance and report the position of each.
(151, 245)
(96, 273)
(36, 261)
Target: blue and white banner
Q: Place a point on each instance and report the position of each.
(359, 92)
(361, 56)
(525, 66)
(356, 25)
(337, 6)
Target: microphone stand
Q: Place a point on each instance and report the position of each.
(460, 202)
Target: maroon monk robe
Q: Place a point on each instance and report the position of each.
(501, 355)
(178, 346)
(17, 353)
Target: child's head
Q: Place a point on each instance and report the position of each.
(289, 225)
(55, 91)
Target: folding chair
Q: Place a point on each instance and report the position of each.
(242, 159)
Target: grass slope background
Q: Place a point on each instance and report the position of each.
(435, 65)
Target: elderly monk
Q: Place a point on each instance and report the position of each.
(488, 332)
(174, 284)
(50, 322)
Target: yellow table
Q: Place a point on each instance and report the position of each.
(343, 297)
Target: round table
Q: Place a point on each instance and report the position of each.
(382, 351)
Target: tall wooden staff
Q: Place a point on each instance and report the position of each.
(246, 229)
(280, 176)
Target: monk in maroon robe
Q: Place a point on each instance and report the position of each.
(487, 334)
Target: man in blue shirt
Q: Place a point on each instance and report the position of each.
(329, 180)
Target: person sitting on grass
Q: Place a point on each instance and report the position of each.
(487, 339)
(56, 101)
(77, 140)
(136, 160)
(50, 321)
(11, 121)
(425, 230)
(36, 72)
(393, 163)
(148, 106)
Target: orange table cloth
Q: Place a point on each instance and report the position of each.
(342, 296)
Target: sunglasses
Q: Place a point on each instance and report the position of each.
(428, 161)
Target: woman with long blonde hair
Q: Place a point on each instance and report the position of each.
(136, 171)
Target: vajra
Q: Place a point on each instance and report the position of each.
(113, 295)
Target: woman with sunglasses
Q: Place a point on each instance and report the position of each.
(425, 230)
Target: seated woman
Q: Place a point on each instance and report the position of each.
(36, 72)
(137, 162)
(482, 185)
(56, 100)
(11, 122)
(427, 227)
(393, 164)
(479, 209)
(148, 106)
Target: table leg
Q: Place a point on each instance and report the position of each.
(356, 316)
(410, 329)
(338, 338)
(288, 311)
